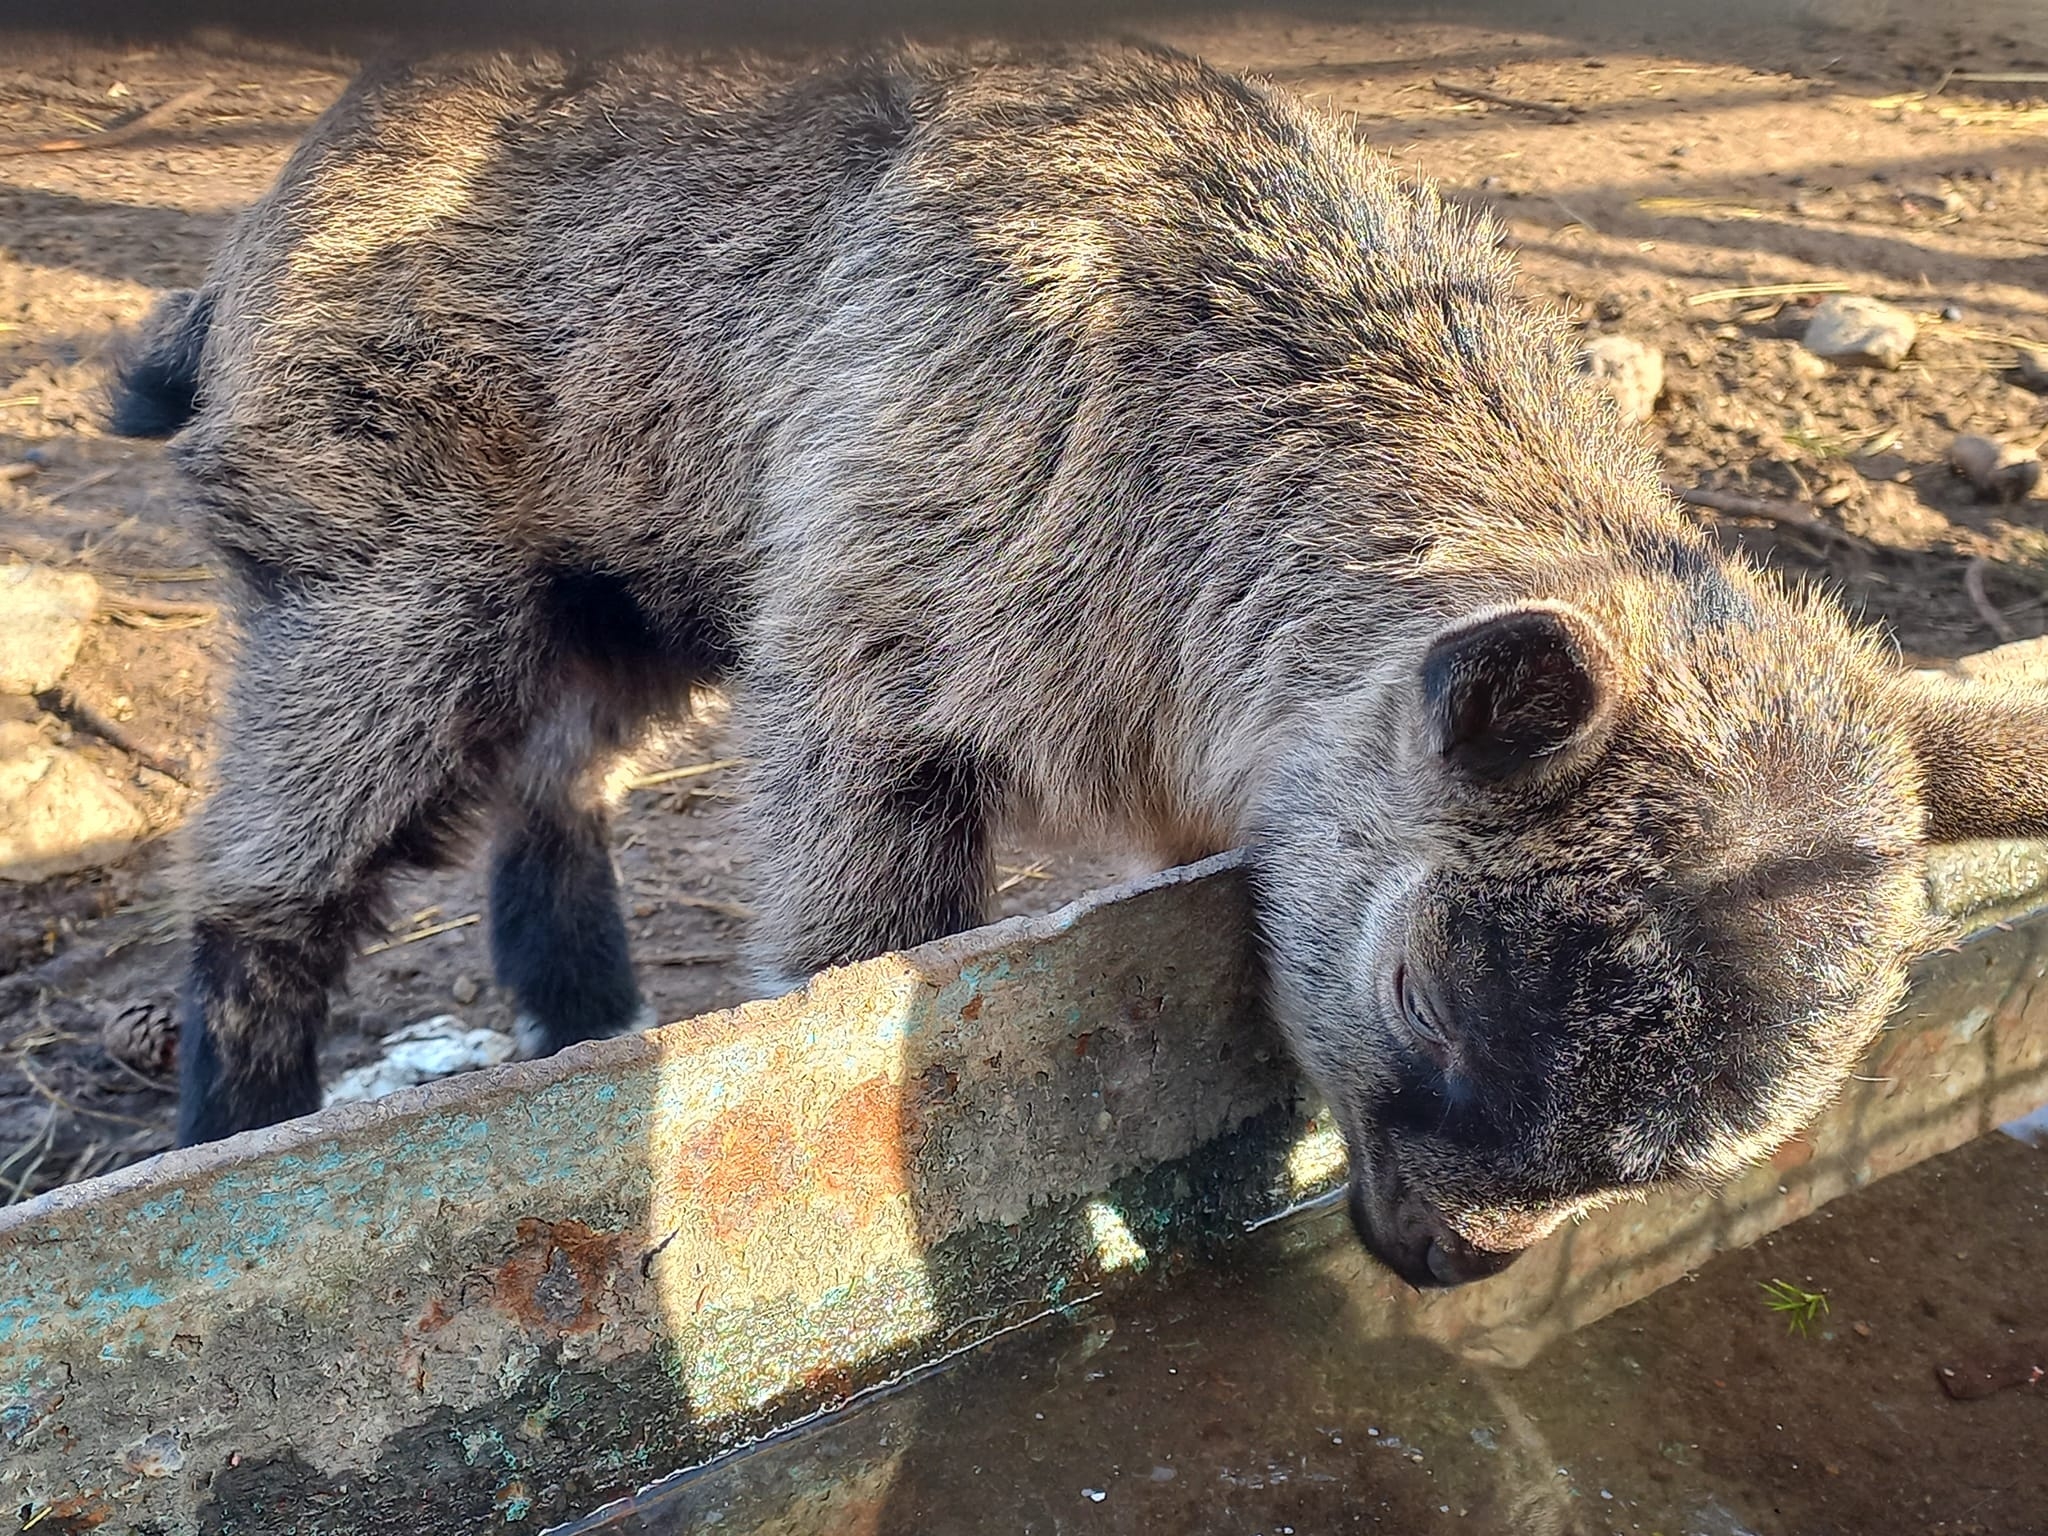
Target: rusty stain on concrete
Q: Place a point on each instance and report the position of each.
(554, 1278)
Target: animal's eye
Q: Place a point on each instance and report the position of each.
(1420, 1018)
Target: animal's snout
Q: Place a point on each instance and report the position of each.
(1453, 1261)
(1410, 1236)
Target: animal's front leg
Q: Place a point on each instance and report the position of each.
(862, 844)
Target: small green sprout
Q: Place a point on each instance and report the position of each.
(1800, 1309)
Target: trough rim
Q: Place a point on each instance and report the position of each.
(641, 1048)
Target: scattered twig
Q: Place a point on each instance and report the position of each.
(61, 1102)
(1577, 218)
(683, 797)
(1973, 583)
(1704, 207)
(68, 706)
(1765, 291)
(20, 471)
(162, 931)
(39, 1144)
(86, 483)
(711, 904)
(90, 553)
(703, 903)
(700, 957)
(1985, 116)
(166, 574)
(688, 771)
(81, 1166)
(1557, 112)
(1993, 77)
(157, 607)
(121, 133)
(421, 933)
(1780, 512)
(1016, 877)
(142, 1080)
(2000, 338)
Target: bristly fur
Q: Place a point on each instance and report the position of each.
(1090, 439)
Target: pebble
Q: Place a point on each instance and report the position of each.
(464, 990)
(2000, 471)
(157, 1455)
(1629, 370)
(43, 615)
(58, 812)
(1808, 367)
(420, 1053)
(2033, 366)
(1849, 329)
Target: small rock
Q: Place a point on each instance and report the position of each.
(2030, 1128)
(157, 1455)
(143, 1036)
(1835, 492)
(464, 990)
(1888, 513)
(58, 813)
(1999, 471)
(1805, 365)
(2033, 366)
(420, 1053)
(1630, 371)
(43, 614)
(1848, 329)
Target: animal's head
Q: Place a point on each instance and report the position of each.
(1625, 903)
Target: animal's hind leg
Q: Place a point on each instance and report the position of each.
(558, 939)
(363, 729)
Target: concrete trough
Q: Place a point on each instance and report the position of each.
(496, 1301)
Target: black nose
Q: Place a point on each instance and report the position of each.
(1411, 1237)
(1453, 1261)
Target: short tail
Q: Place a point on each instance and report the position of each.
(156, 380)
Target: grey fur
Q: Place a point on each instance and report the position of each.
(1088, 441)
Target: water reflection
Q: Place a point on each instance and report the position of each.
(1256, 1400)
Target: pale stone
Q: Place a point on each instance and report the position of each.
(58, 813)
(43, 615)
(1848, 329)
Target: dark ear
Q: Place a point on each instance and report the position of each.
(1983, 754)
(1516, 690)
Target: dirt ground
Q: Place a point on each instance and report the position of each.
(1641, 161)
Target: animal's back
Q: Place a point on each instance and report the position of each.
(504, 296)
(591, 304)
